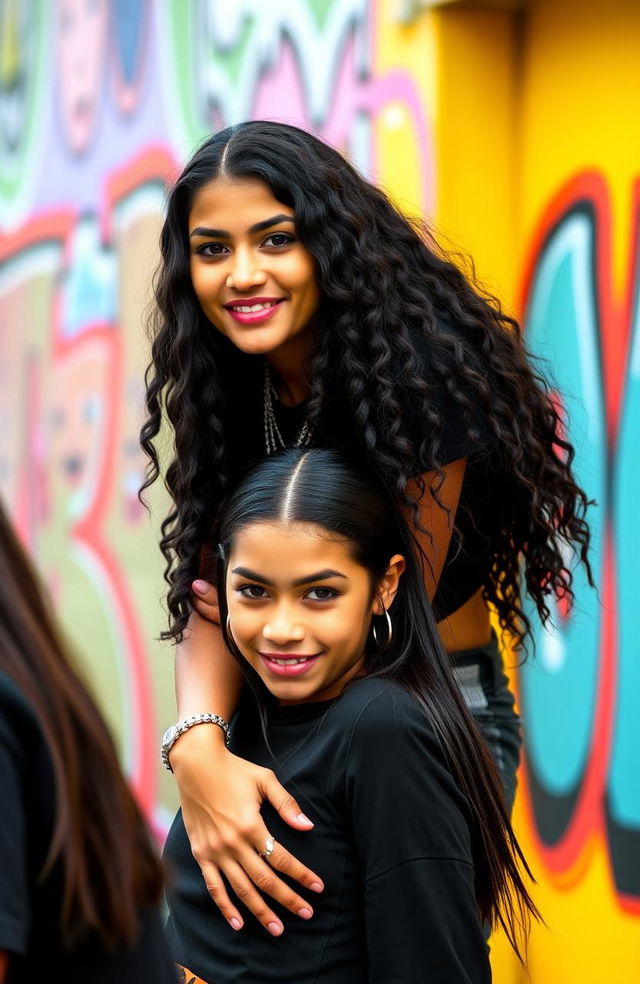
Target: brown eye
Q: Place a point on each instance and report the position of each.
(322, 594)
(253, 591)
(211, 249)
(278, 239)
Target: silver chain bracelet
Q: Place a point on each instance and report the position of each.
(172, 734)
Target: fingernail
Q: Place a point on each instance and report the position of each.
(275, 928)
(316, 886)
(200, 587)
(305, 820)
(235, 923)
(305, 913)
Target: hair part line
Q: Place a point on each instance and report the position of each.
(285, 516)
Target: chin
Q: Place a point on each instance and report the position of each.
(292, 691)
(258, 340)
(255, 346)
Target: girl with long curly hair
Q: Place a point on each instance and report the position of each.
(297, 306)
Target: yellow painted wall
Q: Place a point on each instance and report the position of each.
(580, 107)
(580, 96)
(525, 103)
(476, 139)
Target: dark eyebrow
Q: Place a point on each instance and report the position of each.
(267, 223)
(318, 576)
(245, 572)
(258, 227)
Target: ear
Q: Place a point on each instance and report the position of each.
(388, 586)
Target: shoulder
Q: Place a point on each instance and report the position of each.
(16, 711)
(11, 695)
(22, 741)
(28, 807)
(382, 712)
(395, 753)
(371, 696)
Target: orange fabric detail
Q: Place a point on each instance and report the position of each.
(187, 977)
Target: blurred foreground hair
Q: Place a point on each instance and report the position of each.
(108, 864)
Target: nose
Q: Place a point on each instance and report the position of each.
(283, 627)
(246, 272)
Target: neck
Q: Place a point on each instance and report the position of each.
(291, 392)
(288, 371)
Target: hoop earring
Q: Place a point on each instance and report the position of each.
(374, 631)
(229, 632)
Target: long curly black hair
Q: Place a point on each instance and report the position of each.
(383, 281)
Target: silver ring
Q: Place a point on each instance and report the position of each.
(269, 847)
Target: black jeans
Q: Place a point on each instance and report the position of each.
(480, 674)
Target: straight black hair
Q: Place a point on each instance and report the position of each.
(317, 487)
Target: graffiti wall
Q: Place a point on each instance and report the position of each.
(556, 232)
(498, 127)
(100, 102)
(578, 285)
(580, 697)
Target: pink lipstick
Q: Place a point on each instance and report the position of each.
(253, 310)
(291, 665)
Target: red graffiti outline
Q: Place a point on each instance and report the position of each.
(152, 164)
(56, 227)
(155, 163)
(615, 326)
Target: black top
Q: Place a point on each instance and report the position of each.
(29, 907)
(393, 839)
(469, 557)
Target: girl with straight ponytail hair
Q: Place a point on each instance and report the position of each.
(352, 702)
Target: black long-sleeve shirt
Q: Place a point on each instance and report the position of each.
(392, 841)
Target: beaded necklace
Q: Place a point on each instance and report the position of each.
(273, 439)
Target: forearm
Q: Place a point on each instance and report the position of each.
(208, 678)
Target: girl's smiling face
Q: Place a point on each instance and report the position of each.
(300, 608)
(254, 279)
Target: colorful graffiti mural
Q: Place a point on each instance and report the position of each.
(580, 697)
(24, 60)
(89, 92)
(73, 402)
(309, 63)
(100, 101)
